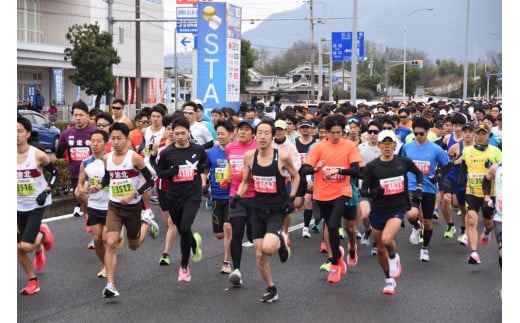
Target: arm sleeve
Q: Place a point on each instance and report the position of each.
(352, 171)
(306, 169)
(60, 150)
(148, 184)
(51, 168)
(208, 144)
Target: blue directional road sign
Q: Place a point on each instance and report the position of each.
(187, 27)
(342, 46)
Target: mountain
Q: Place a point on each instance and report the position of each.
(440, 33)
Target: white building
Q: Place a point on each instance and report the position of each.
(41, 29)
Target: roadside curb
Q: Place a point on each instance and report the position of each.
(60, 205)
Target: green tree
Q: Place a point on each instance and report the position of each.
(93, 55)
(248, 58)
(413, 75)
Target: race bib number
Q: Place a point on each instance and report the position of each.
(186, 174)
(333, 178)
(96, 180)
(265, 184)
(236, 166)
(122, 188)
(302, 157)
(424, 166)
(79, 153)
(219, 174)
(25, 187)
(392, 186)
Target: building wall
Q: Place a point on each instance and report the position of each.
(36, 59)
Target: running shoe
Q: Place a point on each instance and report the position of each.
(148, 218)
(352, 261)
(463, 239)
(365, 240)
(323, 247)
(285, 251)
(91, 244)
(77, 212)
(483, 239)
(48, 237)
(415, 235)
(395, 266)
(184, 274)
(424, 255)
(197, 255)
(474, 258)
(270, 295)
(110, 291)
(33, 287)
(39, 259)
(226, 267)
(341, 261)
(165, 260)
(450, 232)
(342, 233)
(209, 204)
(421, 238)
(326, 265)
(459, 212)
(235, 278)
(306, 233)
(435, 214)
(390, 285)
(359, 235)
(154, 198)
(316, 228)
(373, 252)
(334, 274)
(102, 273)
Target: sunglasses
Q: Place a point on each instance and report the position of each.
(417, 134)
(353, 120)
(403, 117)
(373, 132)
(387, 128)
(386, 143)
(102, 124)
(117, 108)
(144, 122)
(188, 112)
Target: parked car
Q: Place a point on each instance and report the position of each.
(47, 131)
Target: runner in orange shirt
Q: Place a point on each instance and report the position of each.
(333, 161)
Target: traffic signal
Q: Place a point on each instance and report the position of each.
(418, 63)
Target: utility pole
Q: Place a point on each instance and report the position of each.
(353, 72)
(312, 52)
(110, 20)
(138, 89)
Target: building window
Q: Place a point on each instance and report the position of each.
(121, 35)
(30, 21)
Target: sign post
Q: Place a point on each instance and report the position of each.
(342, 46)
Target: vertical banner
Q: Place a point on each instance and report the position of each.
(134, 91)
(168, 90)
(116, 88)
(153, 90)
(59, 96)
(31, 93)
(161, 91)
(218, 55)
(130, 88)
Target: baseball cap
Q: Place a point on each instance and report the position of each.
(305, 123)
(467, 125)
(385, 134)
(280, 124)
(481, 126)
(250, 123)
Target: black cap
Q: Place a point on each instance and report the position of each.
(468, 125)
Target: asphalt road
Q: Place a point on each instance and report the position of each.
(446, 289)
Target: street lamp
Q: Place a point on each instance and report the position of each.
(404, 46)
